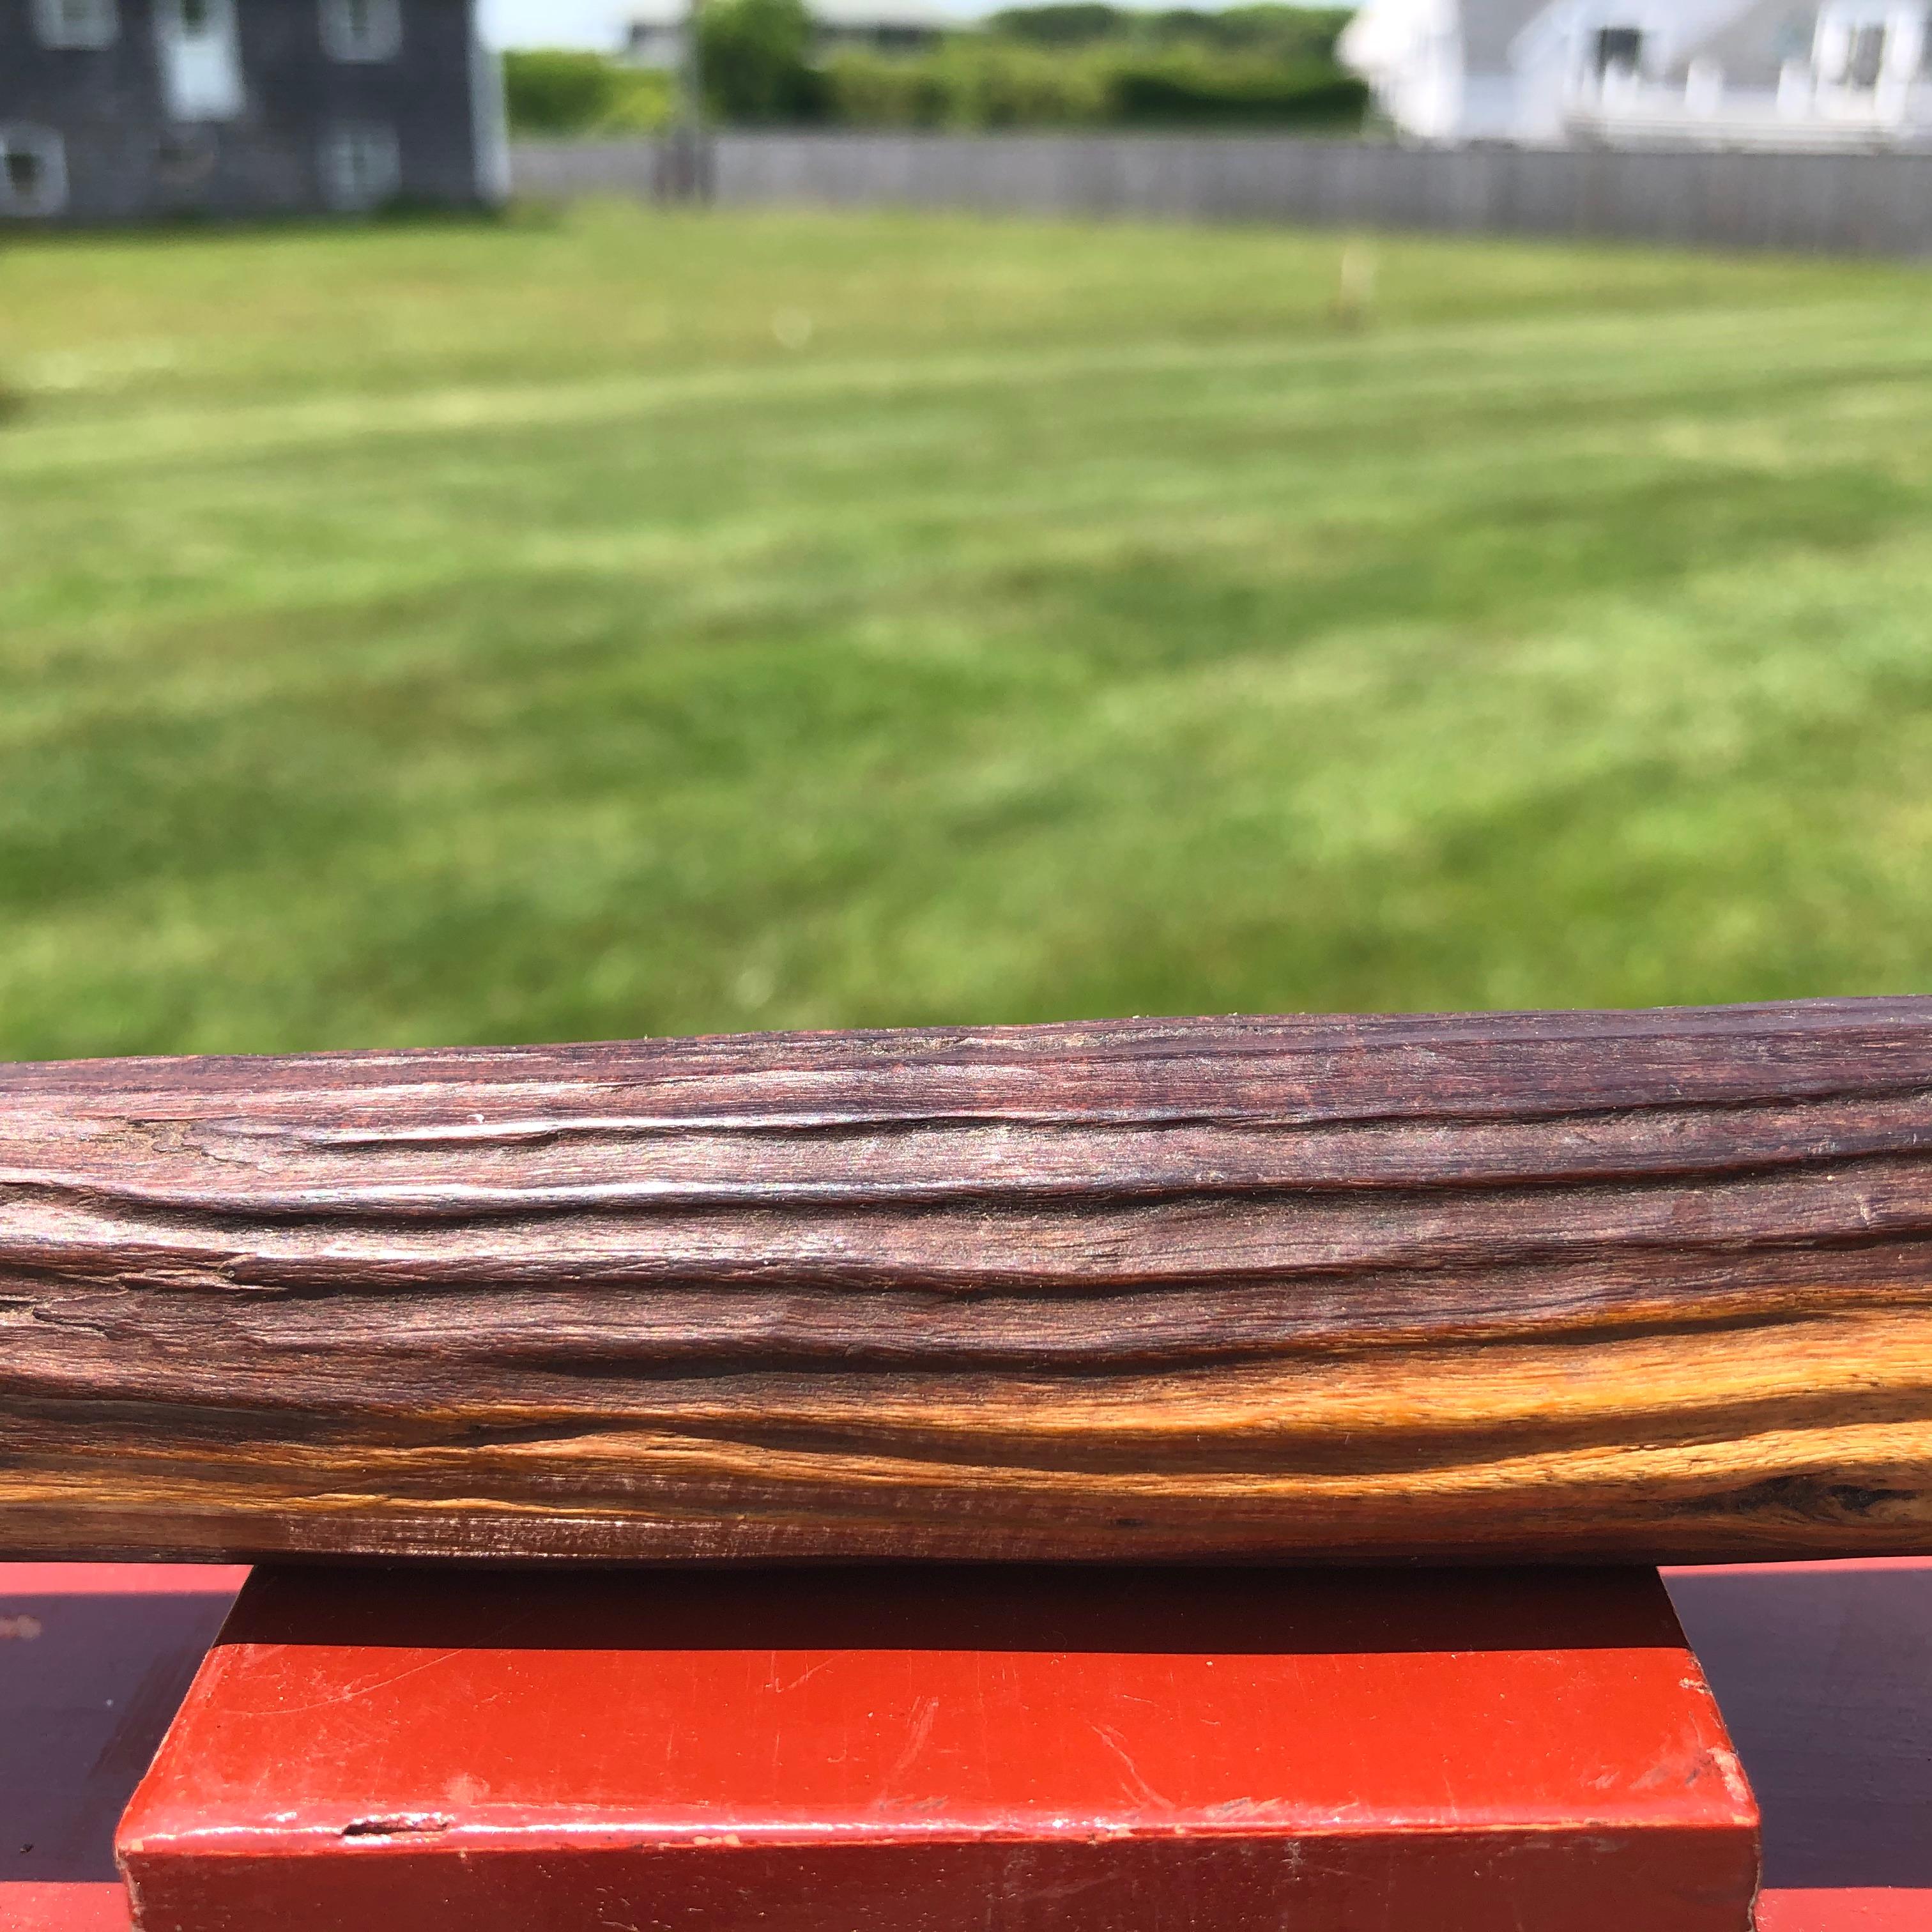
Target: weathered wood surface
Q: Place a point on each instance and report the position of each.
(1583, 1286)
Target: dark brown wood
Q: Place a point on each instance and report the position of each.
(1577, 1286)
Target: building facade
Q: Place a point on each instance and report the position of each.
(1789, 74)
(128, 110)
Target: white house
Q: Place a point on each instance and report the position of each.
(1769, 73)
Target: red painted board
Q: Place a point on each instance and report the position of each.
(217, 1580)
(924, 1751)
(1863, 1909)
(104, 1908)
(63, 1908)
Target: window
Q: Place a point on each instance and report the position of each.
(361, 30)
(201, 59)
(1619, 50)
(362, 167)
(33, 171)
(77, 23)
(1859, 47)
(1864, 58)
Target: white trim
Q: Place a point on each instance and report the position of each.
(1704, 86)
(361, 30)
(77, 23)
(201, 59)
(49, 153)
(489, 123)
(362, 165)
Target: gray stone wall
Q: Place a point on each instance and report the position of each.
(126, 161)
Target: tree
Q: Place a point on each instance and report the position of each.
(756, 59)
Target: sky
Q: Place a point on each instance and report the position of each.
(554, 23)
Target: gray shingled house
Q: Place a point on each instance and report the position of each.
(123, 110)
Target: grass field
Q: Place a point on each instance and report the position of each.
(610, 624)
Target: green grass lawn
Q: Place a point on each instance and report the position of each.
(615, 624)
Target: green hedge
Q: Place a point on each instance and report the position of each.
(1191, 90)
(559, 93)
(1062, 66)
(993, 81)
(972, 82)
(1288, 33)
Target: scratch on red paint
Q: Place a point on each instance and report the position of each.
(1111, 1738)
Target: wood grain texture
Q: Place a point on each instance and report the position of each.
(1562, 1287)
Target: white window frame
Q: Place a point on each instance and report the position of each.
(1704, 86)
(349, 185)
(1797, 87)
(380, 38)
(201, 73)
(1840, 22)
(97, 26)
(490, 123)
(45, 144)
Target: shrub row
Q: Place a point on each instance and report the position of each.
(992, 83)
(559, 93)
(1079, 63)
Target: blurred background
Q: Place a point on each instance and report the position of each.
(875, 516)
